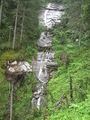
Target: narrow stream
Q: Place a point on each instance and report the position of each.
(45, 65)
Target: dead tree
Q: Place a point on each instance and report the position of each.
(22, 27)
(81, 24)
(9, 37)
(15, 27)
(1, 7)
(11, 99)
(61, 101)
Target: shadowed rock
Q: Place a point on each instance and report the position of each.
(17, 69)
(51, 65)
(44, 41)
(39, 67)
(49, 56)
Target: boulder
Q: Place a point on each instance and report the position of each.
(44, 41)
(15, 70)
(51, 65)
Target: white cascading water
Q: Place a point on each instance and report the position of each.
(38, 103)
(51, 17)
(45, 14)
(47, 18)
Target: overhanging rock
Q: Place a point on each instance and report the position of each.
(15, 69)
(51, 65)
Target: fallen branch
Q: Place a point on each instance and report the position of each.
(11, 100)
(61, 101)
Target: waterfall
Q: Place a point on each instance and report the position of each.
(45, 56)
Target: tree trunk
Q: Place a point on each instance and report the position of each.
(11, 101)
(80, 35)
(9, 38)
(22, 27)
(71, 89)
(81, 24)
(15, 28)
(1, 6)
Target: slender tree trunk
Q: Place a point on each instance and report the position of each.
(80, 35)
(22, 27)
(11, 101)
(1, 7)
(9, 38)
(81, 24)
(71, 89)
(15, 28)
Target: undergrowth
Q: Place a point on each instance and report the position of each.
(78, 68)
(22, 92)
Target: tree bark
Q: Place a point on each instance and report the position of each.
(81, 24)
(22, 27)
(80, 35)
(15, 28)
(9, 38)
(71, 89)
(1, 7)
(11, 101)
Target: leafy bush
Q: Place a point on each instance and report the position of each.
(7, 56)
(79, 111)
(78, 68)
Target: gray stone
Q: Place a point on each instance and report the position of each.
(44, 41)
(18, 67)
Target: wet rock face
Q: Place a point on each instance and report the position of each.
(51, 15)
(38, 99)
(44, 40)
(44, 68)
(49, 56)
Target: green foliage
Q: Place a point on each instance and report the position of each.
(22, 98)
(61, 36)
(78, 68)
(7, 56)
(64, 40)
(4, 95)
(78, 111)
(86, 15)
(28, 53)
(30, 24)
(23, 93)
